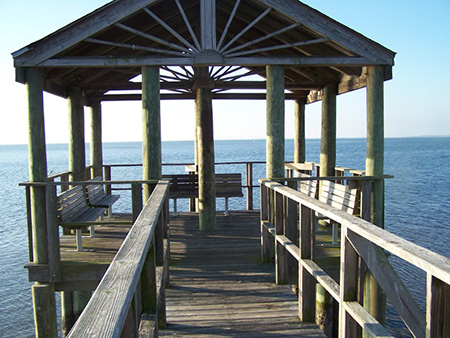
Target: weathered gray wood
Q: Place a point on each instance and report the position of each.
(249, 183)
(299, 139)
(67, 317)
(391, 283)
(44, 310)
(438, 308)
(152, 61)
(188, 24)
(54, 257)
(151, 124)
(365, 320)
(418, 256)
(328, 138)
(96, 140)
(136, 200)
(91, 24)
(332, 29)
(348, 288)
(375, 166)
(275, 122)
(281, 255)
(206, 165)
(208, 24)
(107, 310)
(77, 161)
(37, 163)
(227, 26)
(306, 295)
(219, 287)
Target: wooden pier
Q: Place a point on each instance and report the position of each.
(220, 288)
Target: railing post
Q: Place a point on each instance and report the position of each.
(290, 229)
(265, 236)
(54, 256)
(107, 177)
(148, 284)
(438, 308)
(348, 327)
(307, 283)
(249, 179)
(136, 199)
(281, 254)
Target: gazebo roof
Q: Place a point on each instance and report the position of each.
(236, 39)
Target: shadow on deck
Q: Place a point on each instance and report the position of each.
(219, 287)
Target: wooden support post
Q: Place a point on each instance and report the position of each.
(306, 283)
(37, 164)
(80, 300)
(96, 140)
(249, 179)
(206, 162)
(68, 318)
(328, 139)
(43, 295)
(299, 141)
(54, 255)
(324, 306)
(151, 124)
(438, 308)
(44, 310)
(374, 299)
(275, 122)
(77, 160)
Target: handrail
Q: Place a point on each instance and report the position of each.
(135, 263)
(360, 240)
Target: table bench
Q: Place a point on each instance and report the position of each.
(340, 197)
(76, 209)
(186, 186)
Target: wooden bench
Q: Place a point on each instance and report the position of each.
(308, 187)
(186, 186)
(76, 211)
(97, 198)
(340, 197)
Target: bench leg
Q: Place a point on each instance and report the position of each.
(92, 231)
(79, 240)
(175, 207)
(226, 207)
(334, 232)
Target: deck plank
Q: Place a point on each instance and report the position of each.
(219, 288)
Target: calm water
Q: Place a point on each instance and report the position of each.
(417, 201)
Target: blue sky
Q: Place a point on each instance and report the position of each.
(417, 101)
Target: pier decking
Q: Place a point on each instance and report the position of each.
(219, 287)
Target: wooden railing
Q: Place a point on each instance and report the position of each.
(249, 175)
(282, 207)
(130, 299)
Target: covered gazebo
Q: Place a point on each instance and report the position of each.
(202, 50)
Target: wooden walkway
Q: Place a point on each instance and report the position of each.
(219, 288)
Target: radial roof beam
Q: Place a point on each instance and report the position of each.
(65, 38)
(208, 24)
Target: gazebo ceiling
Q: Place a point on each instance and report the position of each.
(236, 39)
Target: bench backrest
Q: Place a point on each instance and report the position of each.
(338, 196)
(71, 202)
(308, 187)
(95, 192)
(186, 185)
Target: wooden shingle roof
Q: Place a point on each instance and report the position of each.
(236, 39)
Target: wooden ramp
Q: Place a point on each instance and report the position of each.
(219, 288)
